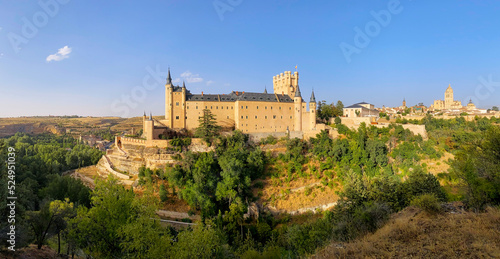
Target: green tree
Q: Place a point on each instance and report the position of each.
(478, 166)
(201, 242)
(339, 107)
(163, 193)
(208, 127)
(325, 111)
(42, 221)
(118, 224)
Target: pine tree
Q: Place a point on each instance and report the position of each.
(208, 128)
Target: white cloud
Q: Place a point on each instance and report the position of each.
(61, 54)
(191, 78)
(209, 82)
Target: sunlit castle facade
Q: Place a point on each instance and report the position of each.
(281, 111)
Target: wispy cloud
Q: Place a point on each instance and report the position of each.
(209, 82)
(191, 78)
(61, 54)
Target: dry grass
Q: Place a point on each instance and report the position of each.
(413, 233)
(33, 253)
(59, 125)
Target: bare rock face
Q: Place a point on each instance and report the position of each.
(253, 211)
(132, 157)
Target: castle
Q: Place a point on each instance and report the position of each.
(283, 111)
(449, 103)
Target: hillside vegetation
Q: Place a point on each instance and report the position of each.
(371, 172)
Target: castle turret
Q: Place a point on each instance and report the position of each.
(168, 101)
(182, 117)
(312, 111)
(297, 99)
(149, 127)
(143, 122)
(169, 78)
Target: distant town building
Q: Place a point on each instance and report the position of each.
(361, 109)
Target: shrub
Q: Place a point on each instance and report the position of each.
(427, 202)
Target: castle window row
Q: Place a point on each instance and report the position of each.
(256, 117)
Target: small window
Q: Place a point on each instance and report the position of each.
(266, 107)
(246, 117)
(266, 117)
(242, 116)
(176, 117)
(246, 107)
(177, 104)
(257, 107)
(256, 116)
(228, 117)
(196, 107)
(242, 107)
(274, 116)
(216, 107)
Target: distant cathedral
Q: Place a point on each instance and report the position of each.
(448, 103)
(281, 111)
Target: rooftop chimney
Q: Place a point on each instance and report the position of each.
(201, 93)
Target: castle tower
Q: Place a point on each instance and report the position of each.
(404, 103)
(448, 97)
(168, 101)
(297, 99)
(286, 83)
(182, 117)
(312, 111)
(149, 128)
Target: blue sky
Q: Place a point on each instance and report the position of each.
(96, 57)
